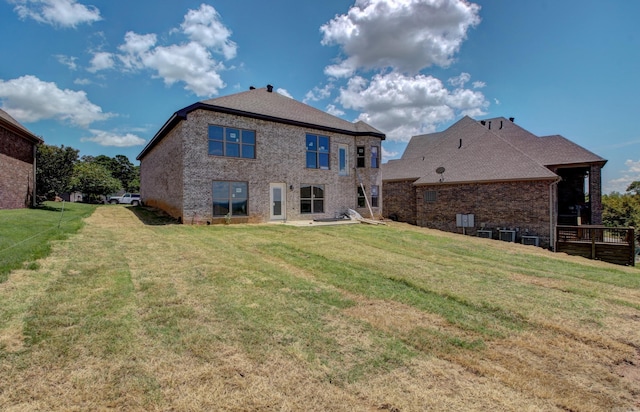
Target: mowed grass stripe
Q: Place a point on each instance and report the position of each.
(264, 317)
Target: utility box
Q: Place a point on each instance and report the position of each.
(463, 220)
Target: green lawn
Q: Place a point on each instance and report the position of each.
(26, 234)
(134, 312)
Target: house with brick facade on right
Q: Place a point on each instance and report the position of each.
(17, 163)
(492, 178)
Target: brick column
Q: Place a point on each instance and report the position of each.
(595, 194)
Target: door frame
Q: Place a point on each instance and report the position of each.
(283, 210)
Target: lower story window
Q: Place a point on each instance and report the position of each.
(374, 195)
(362, 201)
(230, 198)
(312, 199)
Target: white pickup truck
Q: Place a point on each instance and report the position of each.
(132, 199)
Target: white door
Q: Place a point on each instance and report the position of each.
(278, 201)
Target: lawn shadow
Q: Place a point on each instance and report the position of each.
(151, 216)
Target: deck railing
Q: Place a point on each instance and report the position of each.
(610, 244)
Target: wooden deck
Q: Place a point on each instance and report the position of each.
(613, 245)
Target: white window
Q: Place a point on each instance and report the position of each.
(343, 160)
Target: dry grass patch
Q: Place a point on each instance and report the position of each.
(134, 316)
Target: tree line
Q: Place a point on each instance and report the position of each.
(60, 170)
(622, 209)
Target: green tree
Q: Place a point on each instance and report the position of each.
(121, 168)
(54, 168)
(634, 188)
(622, 209)
(93, 180)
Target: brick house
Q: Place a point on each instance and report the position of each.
(495, 179)
(258, 156)
(17, 164)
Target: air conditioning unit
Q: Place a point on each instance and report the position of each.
(507, 235)
(487, 234)
(530, 240)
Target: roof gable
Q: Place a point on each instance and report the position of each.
(12, 124)
(270, 106)
(489, 150)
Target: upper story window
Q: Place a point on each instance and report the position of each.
(360, 156)
(317, 152)
(343, 160)
(375, 157)
(232, 142)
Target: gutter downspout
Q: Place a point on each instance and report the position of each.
(551, 215)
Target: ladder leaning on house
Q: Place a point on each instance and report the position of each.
(364, 193)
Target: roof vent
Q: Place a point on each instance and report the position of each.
(269, 88)
(251, 88)
(482, 122)
(512, 119)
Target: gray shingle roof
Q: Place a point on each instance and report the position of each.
(9, 121)
(270, 106)
(472, 152)
(277, 106)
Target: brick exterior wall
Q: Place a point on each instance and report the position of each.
(177, 174)
(16, 171)
(520, 206)
(595, 194)
(162, 175)
(400, 201)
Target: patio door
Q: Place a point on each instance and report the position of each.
(278, 200)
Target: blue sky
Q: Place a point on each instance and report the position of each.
(103, 76)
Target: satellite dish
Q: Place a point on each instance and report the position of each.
(440, 170)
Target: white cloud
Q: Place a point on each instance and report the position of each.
(30, 99)
(388, 155)
(284, 92)
(104, 138)
(68, 61)
(461, 80)
(191, 62)
(204, 26)
(633, 167)
(403, 106)
(479, 85)
(630, 175)
(82, 82)
(63, 13)
(407, 35)
(332, 109)
(101, 61)
(135, 46)
(318, 93)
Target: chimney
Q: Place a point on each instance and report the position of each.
(489, 124)
(500, 124)
(251, 88)
(269, 88)
(512, 119)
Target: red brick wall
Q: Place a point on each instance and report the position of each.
(520, 206)
(15, 146)
(16, 183)
(16, 171)
(399, 201)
